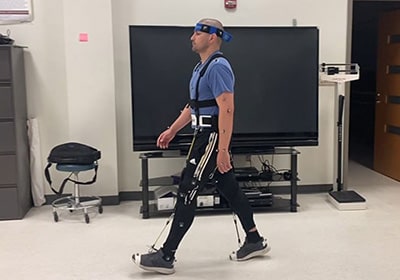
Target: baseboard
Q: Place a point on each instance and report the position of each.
(132, 195)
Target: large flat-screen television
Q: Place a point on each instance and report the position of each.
(276, 89)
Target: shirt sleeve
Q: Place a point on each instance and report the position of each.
(221, 79)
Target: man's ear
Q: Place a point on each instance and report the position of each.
(213, 37)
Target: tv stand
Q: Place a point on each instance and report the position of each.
(277, 203)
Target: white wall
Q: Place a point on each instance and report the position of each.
(70, 85)
(81, 91)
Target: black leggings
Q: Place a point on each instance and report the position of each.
(200, 170)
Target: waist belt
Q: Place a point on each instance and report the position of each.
(204, 121)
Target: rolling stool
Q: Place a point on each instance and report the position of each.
(75, 201)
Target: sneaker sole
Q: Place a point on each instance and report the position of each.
(162, 270)
(262, 252)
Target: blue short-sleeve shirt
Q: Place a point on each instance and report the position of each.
(217, 79)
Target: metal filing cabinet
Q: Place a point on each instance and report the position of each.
(15, 192)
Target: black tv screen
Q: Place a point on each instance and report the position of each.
(276, 89)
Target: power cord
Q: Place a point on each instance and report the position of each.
(270, 173)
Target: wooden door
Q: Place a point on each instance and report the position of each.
(387, 111)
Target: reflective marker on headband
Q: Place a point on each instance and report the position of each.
(212, 29)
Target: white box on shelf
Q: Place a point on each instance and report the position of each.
(166, 203)
(205, 201)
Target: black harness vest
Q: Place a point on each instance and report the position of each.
(195, 104)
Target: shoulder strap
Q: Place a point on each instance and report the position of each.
(203, 71)
(47, 175)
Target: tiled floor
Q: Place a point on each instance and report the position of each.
(319, 242)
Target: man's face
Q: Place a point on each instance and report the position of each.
(200, 41)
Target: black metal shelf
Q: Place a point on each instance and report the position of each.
(278, 203)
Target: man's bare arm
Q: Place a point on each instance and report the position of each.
(225, 128)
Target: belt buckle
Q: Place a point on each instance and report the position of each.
(201, 121)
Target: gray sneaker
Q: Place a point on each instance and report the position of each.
(154, 262)
(250, 250)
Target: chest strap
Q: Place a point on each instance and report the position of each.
(202, 103)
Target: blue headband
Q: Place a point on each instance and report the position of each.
(213, 30)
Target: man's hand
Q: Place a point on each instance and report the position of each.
(165, 138)
(224, 161)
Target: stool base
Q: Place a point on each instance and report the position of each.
(73, 203)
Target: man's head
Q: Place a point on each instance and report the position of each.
(208, 34)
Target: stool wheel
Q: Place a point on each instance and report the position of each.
(87, 219)
(100, 209)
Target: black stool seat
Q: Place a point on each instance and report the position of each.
(75, 167)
